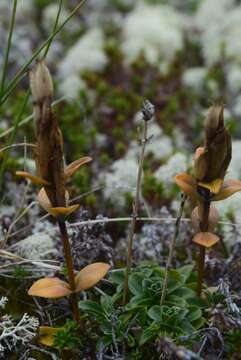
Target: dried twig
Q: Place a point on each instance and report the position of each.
(172, 246)
(147, 111)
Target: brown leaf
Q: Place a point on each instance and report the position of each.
(34, 179)
(44, 200)
(47, 334)
(188, 185)
(50, 288)
(75, 165)
(213, 186)
(228, 188)
(63, 212)
(90, 275)
(200, 163)
(212, 218)
(206, 239)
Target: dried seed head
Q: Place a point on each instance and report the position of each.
(148, 110)
(212, 161)
(41, 83)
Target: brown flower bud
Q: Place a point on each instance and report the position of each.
(41, 83)
(212, 161)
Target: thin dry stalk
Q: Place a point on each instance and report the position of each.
(172, 247)
(204, 224)
(147, 111)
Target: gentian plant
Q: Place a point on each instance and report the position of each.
(53, 196)
(208, 184)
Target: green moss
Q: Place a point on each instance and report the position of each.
(91, 200)
(82, 179)
(151, 186)
(120, 148)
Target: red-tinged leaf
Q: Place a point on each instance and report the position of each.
(75, 165)
(50, 288)
(188, 185)
(206, 239)
(228, 188)
(90, 275)
(34, 179)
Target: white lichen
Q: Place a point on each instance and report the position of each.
(159, 145)
(86, 54)
(194, 78)
(219, 23)
(70, 87)
(155, 30)
(120, 180)
(14, 334)
(40, 245)
(165, 174)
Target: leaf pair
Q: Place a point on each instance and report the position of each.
(220, 189)
(56, 288)
(69, 171)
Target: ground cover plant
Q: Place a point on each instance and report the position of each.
(120, 179)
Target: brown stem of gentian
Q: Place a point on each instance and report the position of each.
(204, 223)
(70, 268)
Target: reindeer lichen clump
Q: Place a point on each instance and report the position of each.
(207, 183)
(53, 196)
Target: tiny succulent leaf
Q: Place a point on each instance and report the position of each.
(50, 288)
(90, 275)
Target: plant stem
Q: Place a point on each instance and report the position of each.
(172, 247)
(202, 250)
(70, 268)
(12, 137)
(26, 98)
(9, 41)
(21, 73)
(54, 28)
(136, 205)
